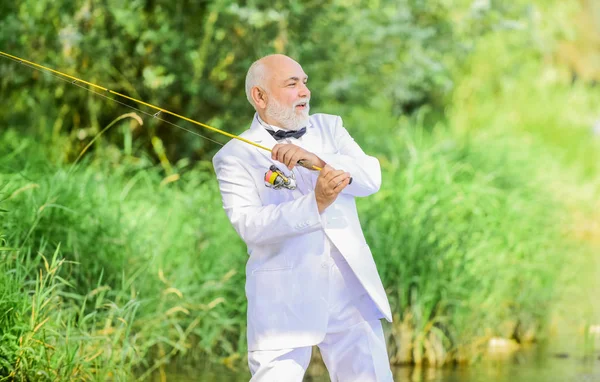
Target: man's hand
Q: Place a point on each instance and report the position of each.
(329, 184)
(290, 154)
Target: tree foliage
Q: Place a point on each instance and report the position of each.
(191, 58)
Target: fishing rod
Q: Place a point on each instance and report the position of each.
(281, 180)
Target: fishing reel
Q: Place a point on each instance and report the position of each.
(276, 179)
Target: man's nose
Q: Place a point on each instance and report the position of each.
(304, 91)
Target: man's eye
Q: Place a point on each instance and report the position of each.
(291, 85)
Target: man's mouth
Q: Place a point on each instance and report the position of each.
(302, 105)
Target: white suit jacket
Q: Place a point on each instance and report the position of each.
(286, 285)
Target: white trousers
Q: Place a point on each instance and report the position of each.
(358, 354)
(353, 348)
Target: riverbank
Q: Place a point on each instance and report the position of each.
(538, 363)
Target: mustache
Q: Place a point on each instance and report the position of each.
(306, 101)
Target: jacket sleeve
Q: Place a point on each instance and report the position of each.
(259, 224)
(364, 169)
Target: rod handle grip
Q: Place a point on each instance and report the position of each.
(311, 167)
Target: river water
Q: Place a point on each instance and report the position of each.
(536, 364)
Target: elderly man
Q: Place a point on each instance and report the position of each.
(310, 276)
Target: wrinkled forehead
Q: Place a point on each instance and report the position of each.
(281, 70)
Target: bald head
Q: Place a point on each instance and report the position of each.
(269, 70)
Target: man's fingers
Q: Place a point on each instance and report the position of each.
(336, 180)
(332, 174)
(274, 151)
(288, 154)
(337, 189)
(285, 155)
(295, 158)
(340, 186)
(327, 176)
(279, 150)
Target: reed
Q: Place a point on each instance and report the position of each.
(142, 269)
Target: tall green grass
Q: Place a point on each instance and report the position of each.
(468, 243)
(553, 116)
(143, 269)
(477, 240)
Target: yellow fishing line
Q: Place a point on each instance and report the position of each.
(75, 79)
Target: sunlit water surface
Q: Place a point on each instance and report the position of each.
(536, 364)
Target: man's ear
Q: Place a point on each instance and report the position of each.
(259, 96)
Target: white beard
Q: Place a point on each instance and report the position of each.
(289, 118)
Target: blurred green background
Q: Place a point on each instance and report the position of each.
(485, 116)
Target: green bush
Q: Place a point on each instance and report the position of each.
(192, 59)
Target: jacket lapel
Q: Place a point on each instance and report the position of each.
(258, 134)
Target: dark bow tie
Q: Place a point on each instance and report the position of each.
(283, 134)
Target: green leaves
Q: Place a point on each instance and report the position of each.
(156, 77)
(192, 58)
